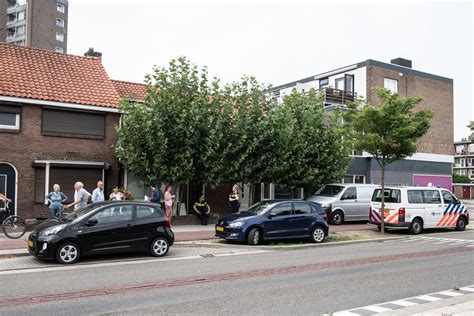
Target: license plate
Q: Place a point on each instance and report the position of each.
(30, 244)
(220, 229)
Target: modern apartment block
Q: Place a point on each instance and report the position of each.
(432, 163)
(464, 159)
(35, 23)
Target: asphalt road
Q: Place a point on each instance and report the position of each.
(313, 280)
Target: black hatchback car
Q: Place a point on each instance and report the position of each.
(275, 219)
(100, 228)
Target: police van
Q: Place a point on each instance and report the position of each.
(416, 208)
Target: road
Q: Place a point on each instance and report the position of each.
(244, 280)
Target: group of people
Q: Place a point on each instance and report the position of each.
(56, 198)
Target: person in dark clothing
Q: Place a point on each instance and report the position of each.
(156, 194)
(202, 210)
(234, 203)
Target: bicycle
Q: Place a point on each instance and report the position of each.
(13, 226)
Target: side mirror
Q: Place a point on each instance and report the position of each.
(91, 222)
(457, 202)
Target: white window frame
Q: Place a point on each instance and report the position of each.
(390, 84)
(12, 127)
(353, 178)
(60, 7)
(60, 37)
(18, 28)
(60, 22)
(59, 50)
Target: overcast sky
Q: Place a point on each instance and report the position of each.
(279, 41)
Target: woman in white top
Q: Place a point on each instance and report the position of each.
(116, 195)
(169, 202)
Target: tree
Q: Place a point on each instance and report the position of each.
(389, 131)
(314, 152)
(159, 138)
(471, 127)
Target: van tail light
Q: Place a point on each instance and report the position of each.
(167, 222)
(401, 214)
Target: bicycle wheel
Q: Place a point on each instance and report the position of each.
(14, 227)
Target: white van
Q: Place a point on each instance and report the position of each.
(345, 202)
(417, 208)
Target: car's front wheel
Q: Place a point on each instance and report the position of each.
(318, 234)
(254, 237)
(68, 253)
(159, 247)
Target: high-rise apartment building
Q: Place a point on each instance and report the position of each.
(35, 23)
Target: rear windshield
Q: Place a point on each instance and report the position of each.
(330, 190)
(391, 195)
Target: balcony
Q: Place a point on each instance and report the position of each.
(337, 97)
(12, 24)
(15, 38)
(16, 8)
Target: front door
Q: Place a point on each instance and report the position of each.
(349, 204)
(278, 224)
(112, 233)
(7, 187)
(451, 210)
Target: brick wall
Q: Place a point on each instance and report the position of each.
(437, 96)
(23, 148)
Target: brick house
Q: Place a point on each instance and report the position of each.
(432, 163)
(58, 115)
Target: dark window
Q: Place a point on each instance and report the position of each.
(448, 198)
(349, 83)
(323, 82)
(114, 214)
(281, 210)
(144, 211)
(415, 196)
(73, 124)
(349, 194)
(391, 196)
(302, 208)
(431, 196)
(66, 177)
(340, 83)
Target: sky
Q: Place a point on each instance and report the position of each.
(280, 41)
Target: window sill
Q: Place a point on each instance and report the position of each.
(83, 136)
(9, 131)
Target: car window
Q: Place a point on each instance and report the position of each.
(415, 196)
(391, 195)
(330, 190)
(349, 194)
(317, 208)
(448, 197)
(302, 208)
(114, 214)
(431, 196)
(144, 211)
(281, 210)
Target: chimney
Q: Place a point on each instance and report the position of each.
(92, 54)
(401, 62)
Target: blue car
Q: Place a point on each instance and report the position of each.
(275, 219)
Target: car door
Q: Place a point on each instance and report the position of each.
(348, 203)
(277, 223)
(302, 218)
(111, 233)
(433, 207)
(451, 210)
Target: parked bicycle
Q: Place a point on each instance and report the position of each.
(13, 226)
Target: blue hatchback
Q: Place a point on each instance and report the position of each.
(275, 219)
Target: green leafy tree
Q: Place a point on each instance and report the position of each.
(314, 148)
(389, 131)
(160, 138)
(457, 178)
(471, 127)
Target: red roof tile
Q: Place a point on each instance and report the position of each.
(44, 75)
(130, 90)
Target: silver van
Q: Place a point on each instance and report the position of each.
(345, 202)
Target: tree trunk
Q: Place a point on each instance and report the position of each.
(382, 209)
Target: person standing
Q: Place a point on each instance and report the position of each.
(155, 194)
(98, 193)
(169, 202)
(116, 195)
(234, 203)
(202, 210)
(81, 196)
(56, 199)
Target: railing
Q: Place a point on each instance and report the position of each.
(336, 96)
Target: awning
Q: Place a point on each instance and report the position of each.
(71, 164)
